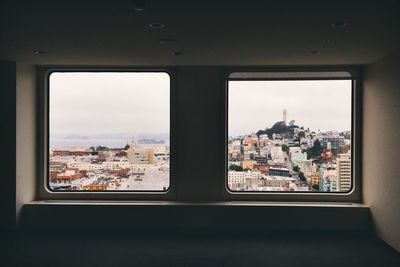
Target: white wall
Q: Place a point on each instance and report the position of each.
(381, 139)
(26, 135)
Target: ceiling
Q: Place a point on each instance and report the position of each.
(269, 32)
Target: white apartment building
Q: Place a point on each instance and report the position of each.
(277, 154)
(293, 150)
(138, 155)
(298, 158)
(240, 177)
(277, 181)
(116, 165)
(343, 167)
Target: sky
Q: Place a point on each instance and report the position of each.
(321, 104)
(89, 104)
(138, 103)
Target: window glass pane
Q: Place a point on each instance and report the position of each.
(109, 131)
(289, 136)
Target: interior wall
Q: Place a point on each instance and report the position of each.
(7, 118)
(198, 125)
(381, 132)
(26, 119)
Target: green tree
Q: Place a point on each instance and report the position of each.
(127, 147)
(302, 177)
(102, 148)
(235, 168)
(296, 168)
(316, 150)
(285, 148)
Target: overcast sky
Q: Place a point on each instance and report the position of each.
(255, 105)
(110, 103)
(107, 103)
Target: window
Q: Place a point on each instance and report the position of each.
(108, 131)
(290, 132)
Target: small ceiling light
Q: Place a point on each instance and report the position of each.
(139, 5)
(339, 24)
(156, 25)
(314, 52)
(176, 53)
(326, 41)
(167, 41)
(38, 52)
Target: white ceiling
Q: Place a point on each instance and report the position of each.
(269, 32)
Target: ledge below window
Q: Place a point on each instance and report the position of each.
(70, 215)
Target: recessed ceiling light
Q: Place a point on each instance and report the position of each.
(314, 52)
(38, 52)
(326, 41)
(167, 41)
(139, 5)
(176, 53)
(339, 24)
(156, 25)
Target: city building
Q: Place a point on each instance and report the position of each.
(343, 167)
(298, 158)
(69, 175)
(241, 176)
(333, 141)
(249, 164)
(277, 181)
(315, 179)
(274, 171)
(277, 155)
(138, 155)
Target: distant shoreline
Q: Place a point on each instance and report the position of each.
(108, 142)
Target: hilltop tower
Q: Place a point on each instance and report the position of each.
(285, 116)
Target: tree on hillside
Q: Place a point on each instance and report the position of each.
(235, 168)
(315, 151)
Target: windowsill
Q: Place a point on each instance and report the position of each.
(164, 215)
(179, 203)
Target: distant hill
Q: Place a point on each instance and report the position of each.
(278, 128)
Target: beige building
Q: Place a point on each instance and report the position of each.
(249, 164)
(240, 177)
(343, 167)
(315, 178)
(138, 155)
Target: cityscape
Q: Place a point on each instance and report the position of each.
(109, 131)
(288, 157)
(141, 165)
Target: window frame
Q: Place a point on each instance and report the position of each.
(43, 190)
(354, 195)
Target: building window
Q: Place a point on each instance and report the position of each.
(108, 131)
(290, 132)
